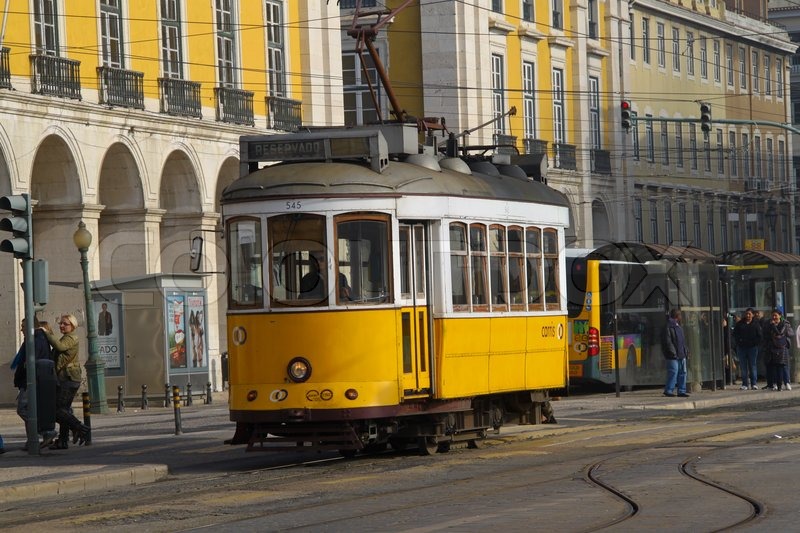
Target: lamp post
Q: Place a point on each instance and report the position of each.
(95, 367)
(772, 218)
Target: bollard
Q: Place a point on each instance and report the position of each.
(208, 393)
(120, 401)
(176, 405)
(166, 395)
(87, 416)
(188, 394)
(144, 397)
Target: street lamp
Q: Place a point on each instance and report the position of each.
(95, 367)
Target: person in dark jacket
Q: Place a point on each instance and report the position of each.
(778, 332)
(748, 336)
(676, 353)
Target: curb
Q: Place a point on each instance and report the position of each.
(108, 477)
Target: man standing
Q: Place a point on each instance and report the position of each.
(747, 334)
(675, 352)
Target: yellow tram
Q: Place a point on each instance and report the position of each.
(378, 295)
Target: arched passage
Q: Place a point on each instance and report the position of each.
(180, 200)
(601, 226)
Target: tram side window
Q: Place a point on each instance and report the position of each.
(497, 268)
(551, 290)
(477, 250)
(516, 268)
(244, 251)
(458, 266)
(362, 259)
(298, 260)
(533, 267)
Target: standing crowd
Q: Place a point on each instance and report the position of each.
(767, 338)
(62, 351)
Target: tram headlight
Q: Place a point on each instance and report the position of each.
(299, 369)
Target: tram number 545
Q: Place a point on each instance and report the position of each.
(294, 205)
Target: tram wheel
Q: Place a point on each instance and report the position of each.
(427, 445)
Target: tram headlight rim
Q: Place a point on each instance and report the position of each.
(299, 369)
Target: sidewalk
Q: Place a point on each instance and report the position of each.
(139, 447)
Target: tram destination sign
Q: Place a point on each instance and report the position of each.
(286, 150)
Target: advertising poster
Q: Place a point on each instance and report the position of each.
(176, 331)
(197, 325)
(106, 312)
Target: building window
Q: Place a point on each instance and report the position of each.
(498, 93)
(733, 156)
(527, 10)
(646, 40)
(723, 228)
(679, 144)
(693, 145)
(171, 43)
(654, 221)
(661, 45)
(703, 58)
(648, 132)
(226, 43)
(529, 99)
(767, 75)
(779, 78)
(742, 68)
(676, 49)
(781, 162)
(635, 128)
(757, 156)
(358, 106)
(770, 162)
(710, 227)
(664, 143)
(754, 72)
(632, 31)
(111, 33)
(668, 222)
(558, 17)
(746, 155)
(690, 53)
(594, 111)
(707, 149)
(729, 63)
(45, 21)
(637, 217)
(717, 62)
(682, 229)
(593, 27)
(276, 69)
(497, 6)
(559, 135)
(720, 153)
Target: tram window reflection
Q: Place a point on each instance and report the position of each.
(244, 241)
(362, 256)
(551, 291)
(533, 267)
(298, 260)
(458, 266)
(498, 268)
(516, 269)
(477, 247)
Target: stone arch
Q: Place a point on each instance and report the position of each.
(601, 223)
(180, 199)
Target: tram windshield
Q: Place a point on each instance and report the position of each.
(244, 241)
(298, 260)
(362, 258)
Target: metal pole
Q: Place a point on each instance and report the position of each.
(614, 333)
(166, 394)
(713, 333)
(87, 416)
(120, 400)
(32, 427)
(176, 406)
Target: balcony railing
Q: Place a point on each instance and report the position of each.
(564, 156)
(55, 76)
(5, 69)
(284, 114)
(234, 106)
(506, 144)
(180, 98)
(601, 161)
(535, 146)
(351, 4)
(120, 87)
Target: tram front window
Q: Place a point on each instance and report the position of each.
(298, 260)
(244, 241)
(362, 259)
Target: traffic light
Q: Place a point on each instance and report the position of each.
(705, 116)
(19, 224)
(625, 109)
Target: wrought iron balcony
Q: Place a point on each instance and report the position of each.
(284, 114)
(506, 144)
(535, 146)
(55, 76)
(5, 69)
(234, 106)
(351, 4)
(180, 98)
(564, 156)
(601, 161)
(120, 87)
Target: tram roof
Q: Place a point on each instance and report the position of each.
(642, 252)
(753, 257)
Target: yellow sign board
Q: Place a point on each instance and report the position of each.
(754, 244)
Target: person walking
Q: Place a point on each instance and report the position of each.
(68, 372)
(675, 353)
(748, 336)
(778, 331)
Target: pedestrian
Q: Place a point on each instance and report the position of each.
(68, 373)
(748, 336)
(676, 354)
(779, 332)
(763, 351)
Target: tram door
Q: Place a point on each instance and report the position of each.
(414, 309)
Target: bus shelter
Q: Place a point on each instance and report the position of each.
(643, 282)
(764, 280)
